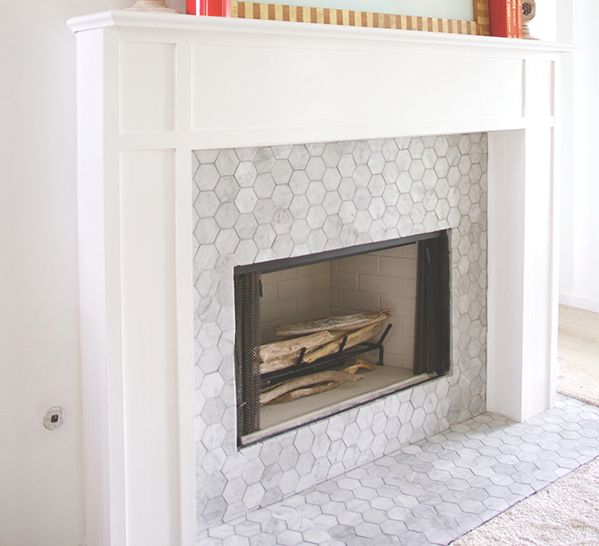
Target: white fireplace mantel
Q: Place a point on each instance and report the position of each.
(154, 87)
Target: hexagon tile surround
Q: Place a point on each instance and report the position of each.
(257, 204)
(430, 492)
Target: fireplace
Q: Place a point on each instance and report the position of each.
(157, 280)
(366, 321)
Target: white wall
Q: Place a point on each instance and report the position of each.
(41, 497)
(544, 25)
(580, 189)
(565, 33)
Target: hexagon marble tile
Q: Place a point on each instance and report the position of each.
(258, 204)
(432, 491)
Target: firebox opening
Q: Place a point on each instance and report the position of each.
(319, 334)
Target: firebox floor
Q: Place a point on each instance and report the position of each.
(380, 381)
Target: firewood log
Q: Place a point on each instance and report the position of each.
(344, 323)
(359, 364)
(302, 393)
(330, 376)
(352, 370)
(281, 354)
(353, 338)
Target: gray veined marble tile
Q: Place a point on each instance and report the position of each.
(227, 162)
(264, 185)
(246, 226)
(331, 179)
(316, 217)
(376, 186)
(376, 162)
(416, 148)
(390, 150)
(281, 171)
(346, 165)
(264, 160)
(332, 203)
(299, 157)
(316, 192)
(246, 200)
(246, 174)
(299, 207)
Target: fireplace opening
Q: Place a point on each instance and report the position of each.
(318, 334)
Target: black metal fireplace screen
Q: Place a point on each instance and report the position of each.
(431, 338)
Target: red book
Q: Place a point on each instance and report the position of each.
(503, 15)
(519, 18)
(217, 8)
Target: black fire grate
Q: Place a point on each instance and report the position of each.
(326, 362)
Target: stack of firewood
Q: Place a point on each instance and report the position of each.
(317, 339)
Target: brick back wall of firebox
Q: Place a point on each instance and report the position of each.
(368, 282)
(293, 295)
(382, 280)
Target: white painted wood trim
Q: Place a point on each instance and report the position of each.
(506, 271)
(258, 136)
(185, 299)
(164, 21)
(557, 170)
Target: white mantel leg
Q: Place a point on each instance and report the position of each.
(522, 305)
(136, 320)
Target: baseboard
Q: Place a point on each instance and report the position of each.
(580, 303)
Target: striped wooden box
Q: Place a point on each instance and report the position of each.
(329, 16)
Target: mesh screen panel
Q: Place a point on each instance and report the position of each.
(247, 340)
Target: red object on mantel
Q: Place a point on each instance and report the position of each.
(216, 8)
(505, 18)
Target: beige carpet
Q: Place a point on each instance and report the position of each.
(567, 512)
(579, 354)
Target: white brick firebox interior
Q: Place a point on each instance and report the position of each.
(161, 97)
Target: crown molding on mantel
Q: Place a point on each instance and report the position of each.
(178, 21)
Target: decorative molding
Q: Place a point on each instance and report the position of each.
(174, 22)
(367, 19)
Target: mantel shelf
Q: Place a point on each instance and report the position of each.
(177, 21)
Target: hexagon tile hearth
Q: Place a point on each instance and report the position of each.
(431, 492)
(258, 204)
